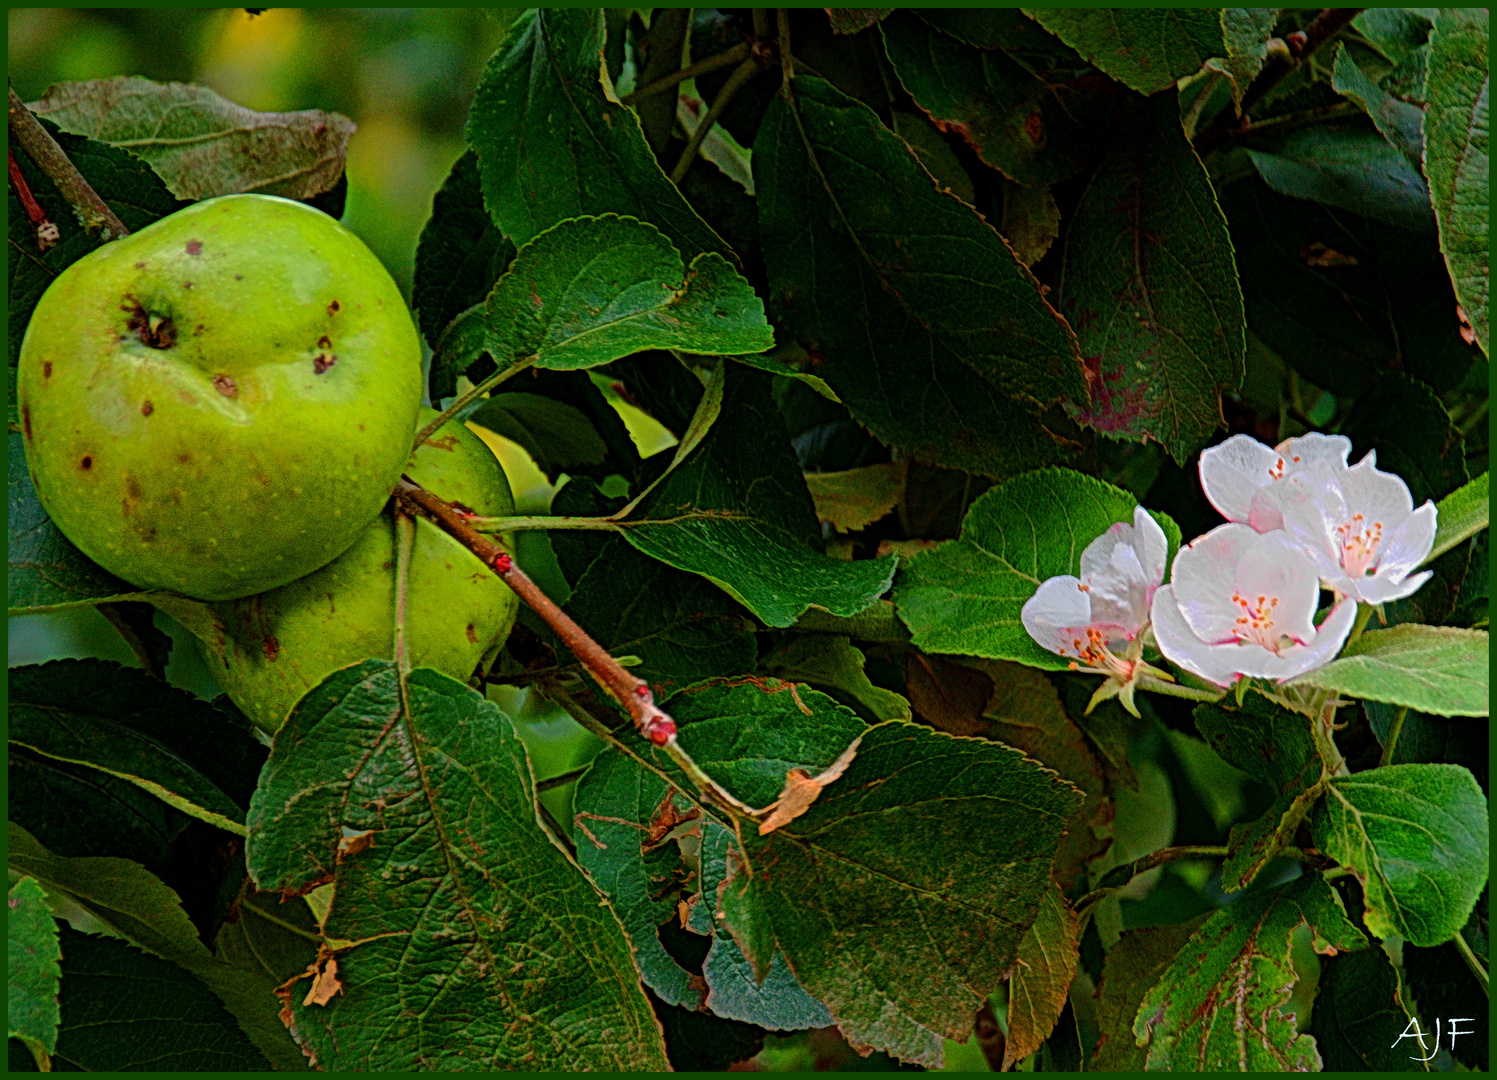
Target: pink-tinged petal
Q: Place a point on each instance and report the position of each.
(1380, 496)
(1409, 544)
(1277, 589)
(1152, 545)
(1381, 590)
(1233, 471)
(1312, 449)
(1205, 579)
(1057, 614)
(1264, 515)
(1183, 649)
(1328, 641)
(1120, 593)
(1313, 510)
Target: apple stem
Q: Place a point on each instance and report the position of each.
(631, 691)
(41, 148)
(47, 233)
(405, 543)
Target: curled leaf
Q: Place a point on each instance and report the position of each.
(802, 789)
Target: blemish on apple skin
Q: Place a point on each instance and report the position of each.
(46, 369)
(238, 277)
(140, 266)
(184, 458)
(324, 342)
(332, 309)
(194, 247)
(322, 363)
(271, 647)
(225, 386)
(87, 463)
(198, 332)
(146, 408)
(26, 420)
(473, 637)
(186, 284)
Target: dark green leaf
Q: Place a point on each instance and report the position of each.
(851, 20)
(831, 664)
(1413, 435)
(1146, 49)
(124, 1010)
(1436, 669)
(1218, 1006)
(449, 877)
(1245, 32)
(1350, 166)
(1416, 837)
(1039, 988)
(200, 143)
(995, 28)
(1455, 154)
(1162, 333)
(1132, 968)
(1443, 984)
(1430, 739)
(937, 339)
(701, 1042)
(31, 964)
(564, 423)
(929, 856)
(591, 290)
(1397, 120)
(460, 254)
(965, 596)
(1009, 113)
(747, 522)
(1359, 1009)
(551, 146)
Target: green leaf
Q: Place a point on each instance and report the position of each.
(124, 181)
(852, 20)
(1358, 1003)
(1461, 515)
(564, 423)
(31, 963)
(90, 726)
(1397, 120)
(1245, 32)
(930, 855)
(552, 146)
(833, 665)
(1455, 154)
(1146, 49)
(1131, 969)
(202, 144)
(1416, 837)
(1415, 439)
(591, 290)
(746, 521)
(124, 1010)
(965, 596)
(1350, 166)
(853, 499)
(1162, 335)
(1436, 669)
(1041, 983)
(925, 324)
(1218, 1006)
(1442, 983)
(651, 849)
(460, 253)
(1003, 108)
(120, 898)
(424, 819)
(1031, 222)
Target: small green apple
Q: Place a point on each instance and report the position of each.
(282, 643)
(222, 402)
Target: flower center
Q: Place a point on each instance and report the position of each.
(1255, 624)
(1095, 654)
(1359, 544)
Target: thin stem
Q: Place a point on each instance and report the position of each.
(1119, 876)
(736, 81)
(1364, 613)
(1193, 115)
(405, 543)
(282, 923)
(1464, 948)
(530, 524)
(787, 62)
(41, 148)
(1177, 690)
(1390, 744)
(1294, 120)
(551, 783)
(632, 692)
(723, 59)
(472, 395)
(47, 233)
(761, 22)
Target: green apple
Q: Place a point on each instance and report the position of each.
(282, 643)
(222, 402)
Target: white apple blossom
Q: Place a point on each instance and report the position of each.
(1243, 603)
(1097, 619)
(1360, 528)
(1240, 475)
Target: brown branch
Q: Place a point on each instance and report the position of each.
(701, 67)
(1301, 45)
(631, 691)
(41, 148)
(990, 1038)
(46, 232)
(787, 62)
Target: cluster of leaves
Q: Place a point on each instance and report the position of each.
(943, 296)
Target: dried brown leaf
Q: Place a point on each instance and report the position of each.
(802, 789)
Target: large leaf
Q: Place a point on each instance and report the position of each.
(1012, 116)
(1455, 154)
(1405, 422)
(925, 323)
(1416, 837)
(202, 144)
(634, 832)
(1041, 983)
(1218, 1006)
(457, 905)
(1398, 121)
(1131, 969)
(1143, 48)
(1461, 515)
(1246, 33)
(1162, 331)
(564, 423)
(31, 954)
(744, 519)
(832, 664)
(1435, 669)
(591, 290)
(552, 146)
(1357, 1005)
(965, 596)
(928, 857)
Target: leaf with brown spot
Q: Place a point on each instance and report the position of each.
(949, 696)
(856, 498)
(802, 789)
(1132, 967)
(1041, 982)
(325, 984)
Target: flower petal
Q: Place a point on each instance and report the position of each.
(1055, 613)
(1120, 583)
(1313, 510)
(1205, 578)
(1381, 497)
(1410, 543)
(1232, 472)
(1152, 545)
(1381, 590)
(1181, 646)
(1313, 448)
(1277, 578)
(1328, 641)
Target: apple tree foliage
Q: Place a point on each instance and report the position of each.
(937, 298)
